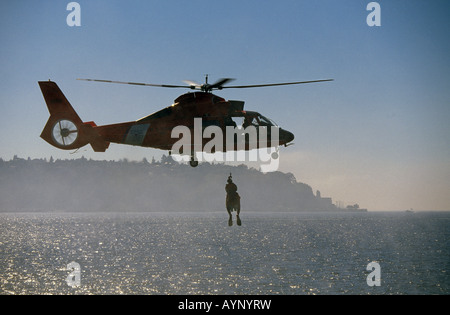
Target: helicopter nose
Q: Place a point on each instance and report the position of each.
(286, 136)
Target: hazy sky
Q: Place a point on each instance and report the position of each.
(378, 135)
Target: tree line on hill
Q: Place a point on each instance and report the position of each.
(83, 185)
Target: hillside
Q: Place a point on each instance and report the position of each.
(87, 185)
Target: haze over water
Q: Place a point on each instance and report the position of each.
(196, 253)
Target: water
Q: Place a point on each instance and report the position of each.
(195, 253)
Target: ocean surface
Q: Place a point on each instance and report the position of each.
(197, 253)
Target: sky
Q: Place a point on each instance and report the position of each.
(378, 135)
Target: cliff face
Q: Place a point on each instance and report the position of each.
(86, 185)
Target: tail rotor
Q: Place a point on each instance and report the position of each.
(65, 132)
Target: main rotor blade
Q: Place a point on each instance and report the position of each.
(219, 84)
(141, 84)
(192, 83)
(273, 84)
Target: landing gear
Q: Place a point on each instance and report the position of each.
(193, 162)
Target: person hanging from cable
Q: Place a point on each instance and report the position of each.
(233, 201)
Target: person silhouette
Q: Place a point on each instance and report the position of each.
(233, 201)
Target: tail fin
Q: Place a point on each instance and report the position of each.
(64, 129)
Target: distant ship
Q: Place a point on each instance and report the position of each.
(355, 208)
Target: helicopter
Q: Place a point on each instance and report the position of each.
(194, 111)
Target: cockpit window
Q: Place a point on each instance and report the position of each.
(249, 119)
(266, 121)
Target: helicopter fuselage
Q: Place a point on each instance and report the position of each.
(195, 111)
